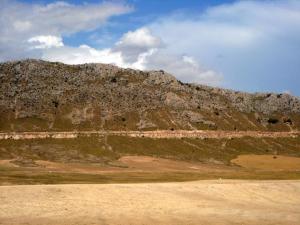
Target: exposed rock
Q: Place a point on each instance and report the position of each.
(174, 101)
(192, 116)
(39, 95)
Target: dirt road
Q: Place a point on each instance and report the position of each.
(149, 134)
(217, 202)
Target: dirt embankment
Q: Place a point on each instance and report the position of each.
(205, 202)
(149, 134)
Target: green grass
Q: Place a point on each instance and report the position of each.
(33, 177)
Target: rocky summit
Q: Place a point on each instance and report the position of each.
(37, 95)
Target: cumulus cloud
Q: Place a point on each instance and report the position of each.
(23, 21)
(238, 25)
(138, 49)
(58, 18)
(139, 38)
(130, 51)
(42, 26)
(185, 68)
(137, 42)
(49, 41)
(83, 54)
(242, 39)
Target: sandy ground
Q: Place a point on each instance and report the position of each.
(216, 202)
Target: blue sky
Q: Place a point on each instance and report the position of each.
(243, 45)
(144, 12)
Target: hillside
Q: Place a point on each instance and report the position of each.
(97, 123)
(42, 96)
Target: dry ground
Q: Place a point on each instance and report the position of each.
(141, 169)
(124, 164)
(215, 202)
(268, 162)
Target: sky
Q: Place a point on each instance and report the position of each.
(243, 45)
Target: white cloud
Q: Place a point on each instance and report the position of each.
(138, 49)
(235, 25)
(59, 18)
(48, 41)
(22, 21)
(185, 68)
(139, 38)
(243, 39)
(83, 54)
(239, 25)
(256, 44)
(21, 26)
(135, 43)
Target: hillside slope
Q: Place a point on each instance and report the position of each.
(70, 124)
(42, 96)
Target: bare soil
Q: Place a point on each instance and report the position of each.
(268, 162)
(215, 202)
(136, 169)
(125, 164)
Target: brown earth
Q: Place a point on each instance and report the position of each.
(268, 162)
(122, 159)
(134, 169)
(124, 164)
(215, 202)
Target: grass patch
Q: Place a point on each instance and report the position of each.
(97, 149)
(21, 177)
(205, 150)
(81, 149)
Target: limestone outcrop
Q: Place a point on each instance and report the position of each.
(37, 95)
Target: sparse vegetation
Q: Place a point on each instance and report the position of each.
(55, 92)
(273, 120)
(60, 97)
(93, 149)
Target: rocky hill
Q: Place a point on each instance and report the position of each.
(43, 96)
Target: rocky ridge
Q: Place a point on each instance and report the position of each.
(37, 95)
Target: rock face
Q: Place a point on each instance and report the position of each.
(37, 96)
